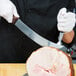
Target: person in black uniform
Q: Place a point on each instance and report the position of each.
(43, 16)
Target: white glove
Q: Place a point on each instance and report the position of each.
(8, 10)
(66, 20)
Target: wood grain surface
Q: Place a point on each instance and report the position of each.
(16, 69)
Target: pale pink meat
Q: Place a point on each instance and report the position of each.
(48, 61)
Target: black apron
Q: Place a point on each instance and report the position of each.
(41, 16)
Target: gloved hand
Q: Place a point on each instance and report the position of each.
(8, 10)
(66, 20)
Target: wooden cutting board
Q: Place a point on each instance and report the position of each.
(16, 69)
